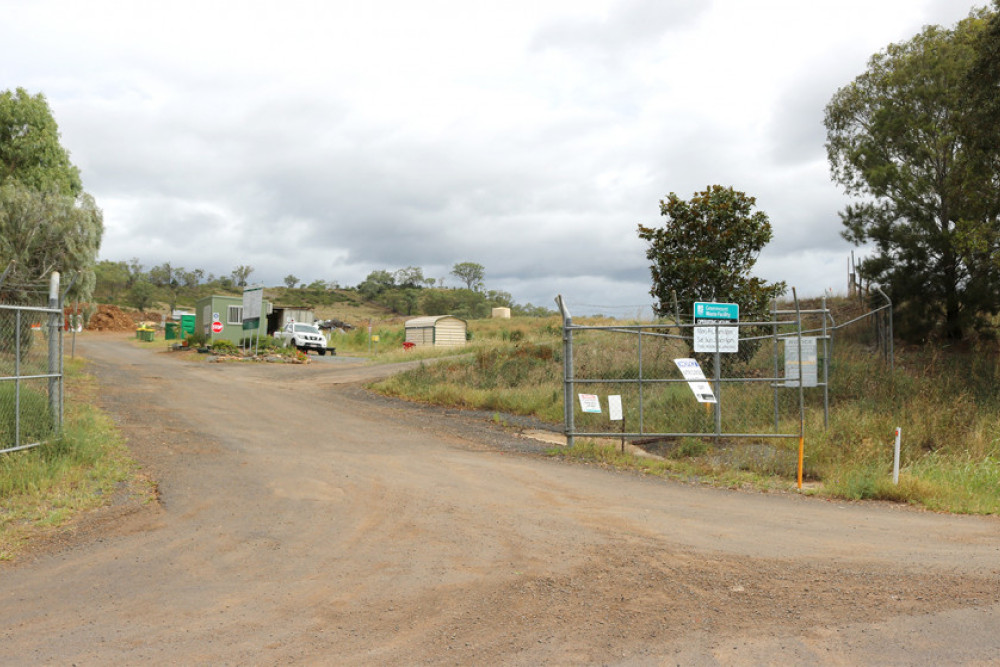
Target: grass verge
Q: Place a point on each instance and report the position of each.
(44, 488)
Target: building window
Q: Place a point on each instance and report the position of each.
(235, 315)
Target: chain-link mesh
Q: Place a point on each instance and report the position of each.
(744, 393)
(30, 368)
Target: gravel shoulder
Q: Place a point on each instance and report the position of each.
(302, 520)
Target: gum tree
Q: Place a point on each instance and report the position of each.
(47, 222)
(925, 199)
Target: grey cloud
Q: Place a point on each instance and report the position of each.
(628, 25)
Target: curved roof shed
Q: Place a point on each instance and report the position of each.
(436, 331)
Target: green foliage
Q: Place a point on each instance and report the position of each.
(375, 284)
(706, 250)
(291, 280)
(140, 296)
(30, 152)
(42, 232)
(111, 280)
(196, 339)
(897, 140)
(470, 273)
(47, 222)
(241, 275)
(223, 346)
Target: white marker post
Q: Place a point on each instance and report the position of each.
(895, 457)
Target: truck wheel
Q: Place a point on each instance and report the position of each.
(321, 352)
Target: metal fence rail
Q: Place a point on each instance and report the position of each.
(31, 372)
(758, 385)
(637, 366)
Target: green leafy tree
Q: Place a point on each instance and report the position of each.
(30, 152)
(140, 295)
(291, 281)
(981, 130)
(411, 276)
(241, 275)
(111, 280)
(162, 275)
(47, 222)
(42, 232)
(706, 250)
(470, 273)
(926, 198)
(136, 271)
(376, 283)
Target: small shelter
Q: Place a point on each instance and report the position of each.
(221, 317)
(436, 331)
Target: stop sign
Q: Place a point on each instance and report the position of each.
(217, 327)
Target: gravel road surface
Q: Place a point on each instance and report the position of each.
(302, 521)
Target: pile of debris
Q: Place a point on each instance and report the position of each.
(110, 318)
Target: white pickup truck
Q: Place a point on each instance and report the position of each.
(304, 337)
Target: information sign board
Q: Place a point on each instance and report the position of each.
(709, 311)
(253, 299)
(705, 339)
(696, 380)
(590, 403)
(808, 365)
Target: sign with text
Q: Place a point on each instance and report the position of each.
(253, 299)
(807, 366)
(705, 339)
(590, 403)
(696, 380)
(709, 311)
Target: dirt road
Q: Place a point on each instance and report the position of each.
(303, 522)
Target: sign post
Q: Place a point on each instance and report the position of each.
(253, 300)
(716, 339)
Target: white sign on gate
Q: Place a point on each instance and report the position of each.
(807, 366)
(704, 339)
(615, 408)
(696, 380)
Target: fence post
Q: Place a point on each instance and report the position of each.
(890, 350)
(826, 371)
(802, 394)
(568, 411)
(55, 324)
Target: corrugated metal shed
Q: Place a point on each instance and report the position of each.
(437, 330)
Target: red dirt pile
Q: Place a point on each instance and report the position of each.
(110, 318)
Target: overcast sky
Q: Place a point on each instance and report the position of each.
(330, 139)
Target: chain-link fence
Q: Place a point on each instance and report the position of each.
(684, 379)
(31, 373)
(694, 378)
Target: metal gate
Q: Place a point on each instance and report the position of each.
(31, 371)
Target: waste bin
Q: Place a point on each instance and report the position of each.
(170, 330)
(144, 334)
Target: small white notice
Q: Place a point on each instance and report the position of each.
(696, 380)
(705, 339)
(615, 408)
(807, 366)
(590, 403)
